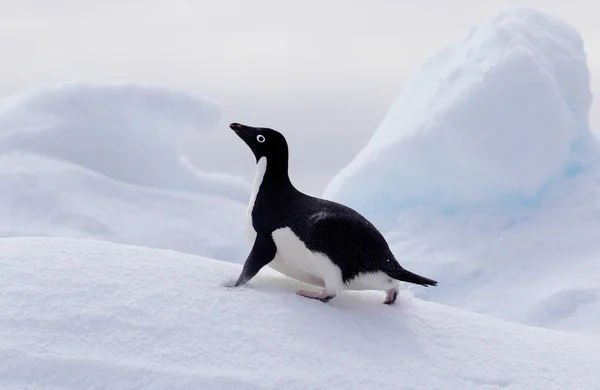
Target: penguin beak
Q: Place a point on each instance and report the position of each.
(236, 127)
(244, 132)
(241, 129)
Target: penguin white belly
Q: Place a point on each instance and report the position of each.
(295, 260)
(287, 268)
(372, 281)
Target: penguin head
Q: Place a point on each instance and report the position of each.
(263, 142)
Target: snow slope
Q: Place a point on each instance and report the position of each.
(103, 161)
(84, 314)
(42, 197)
(484, 174)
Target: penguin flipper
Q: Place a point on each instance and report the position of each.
(262, 253)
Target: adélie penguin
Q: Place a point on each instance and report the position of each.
(313, 240)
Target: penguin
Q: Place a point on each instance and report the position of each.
(317, 241)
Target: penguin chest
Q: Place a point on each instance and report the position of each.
(296, 261)
(259, 173)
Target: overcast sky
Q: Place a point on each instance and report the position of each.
(322, 71)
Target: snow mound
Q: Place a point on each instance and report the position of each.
(79, 314)
(127, 132)
(45, 197)
(539, 271)
(103, 162)
(491, 121)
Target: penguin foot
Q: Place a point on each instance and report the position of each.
(391, 296)
(323, 296)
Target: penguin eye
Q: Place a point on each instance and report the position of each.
(260, 138)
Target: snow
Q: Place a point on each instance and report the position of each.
(493, 119)
(103, 161)
(126, 132)
(80, 313)
(484, 175)
(42, 197)
(541, 271)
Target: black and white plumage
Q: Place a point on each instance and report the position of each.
(313, 240)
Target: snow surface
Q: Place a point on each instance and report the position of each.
(85, 314)
(484, 175)
(103, 161)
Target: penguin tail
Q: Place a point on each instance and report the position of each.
(409, 277)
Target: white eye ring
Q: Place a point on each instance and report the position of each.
(260, 138)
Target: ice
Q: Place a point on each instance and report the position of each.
(492, 120)
(103, 162)
(484, 175)
(79, 314)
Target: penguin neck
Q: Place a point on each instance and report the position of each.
(272, 176)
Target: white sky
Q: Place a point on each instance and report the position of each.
(322, 71)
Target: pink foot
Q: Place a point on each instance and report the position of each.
(391, 296)
(322, 296)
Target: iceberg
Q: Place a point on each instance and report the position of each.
(493, 120)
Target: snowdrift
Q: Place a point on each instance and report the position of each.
(79, 314)
(103, 161)
(484, 174)
(42, 197)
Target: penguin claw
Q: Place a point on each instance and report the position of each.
(321, 296)
(391, 297)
